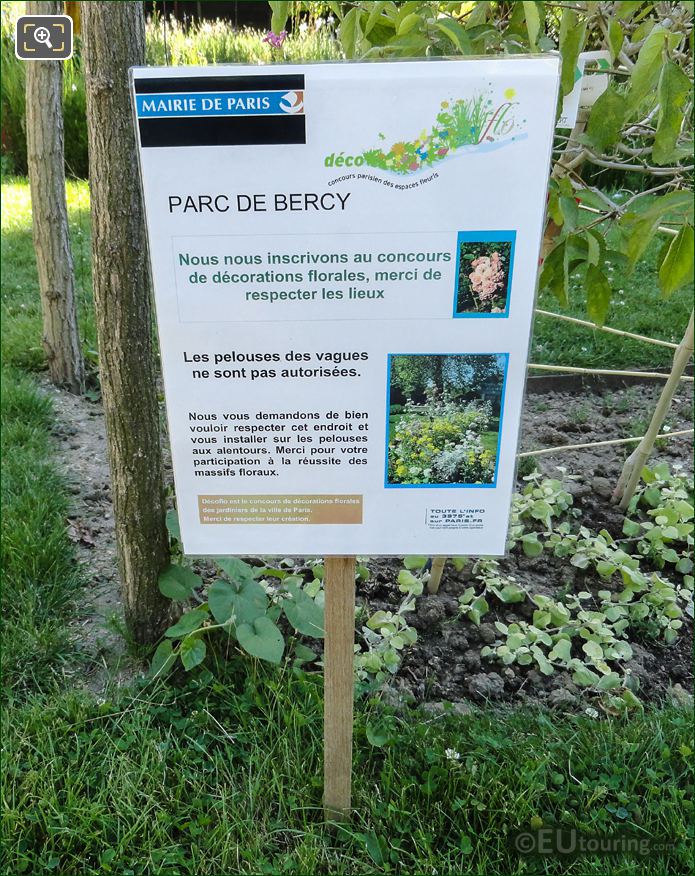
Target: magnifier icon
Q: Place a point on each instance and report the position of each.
(43, 35)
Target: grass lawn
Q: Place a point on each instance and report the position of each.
(490, 441)
(21, 309)
(222, 774)
(39, 578)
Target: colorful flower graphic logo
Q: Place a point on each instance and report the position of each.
(462, 122)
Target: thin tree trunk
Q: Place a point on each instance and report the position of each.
(44, 121)
(114, 40)
(630, 475)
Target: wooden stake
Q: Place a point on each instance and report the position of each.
(338, 663)
(657, 375)
(562, 447)
(632, 470)
(436, 574)
(605, 328)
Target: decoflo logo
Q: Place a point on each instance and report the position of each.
(340, 159)
(474, 124)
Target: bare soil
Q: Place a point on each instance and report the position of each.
(445, 664)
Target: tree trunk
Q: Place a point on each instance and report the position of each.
(44, 121)
(114, 40)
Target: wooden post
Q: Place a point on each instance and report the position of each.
(438, 564)
(338, 663)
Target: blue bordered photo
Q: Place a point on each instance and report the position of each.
(444, 416)
(483, 279)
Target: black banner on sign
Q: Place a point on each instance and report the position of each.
(223, 131)
(286, 82)
(221, 110)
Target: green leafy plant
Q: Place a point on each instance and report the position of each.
(542, 501)
(387, 633)
(587, 632)
(243, 603)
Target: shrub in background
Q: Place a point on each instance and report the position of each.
(12, 100)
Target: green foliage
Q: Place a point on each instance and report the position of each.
(598, 294)
(177, 582)
(239, 606)
(571, 42)
(244, 600)
(302, 610)
(385, 635)
(584, 633)
(676, 269)
(542, 500)
(587, 632)
(262, 639)
(674, 92)
(607, 118)
(648, 67)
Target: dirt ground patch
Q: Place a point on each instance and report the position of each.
(445, 665)
(82, 453)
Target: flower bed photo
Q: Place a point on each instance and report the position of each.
(484, 273)
(444, 418)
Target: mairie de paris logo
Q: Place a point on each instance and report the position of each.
(292, 102)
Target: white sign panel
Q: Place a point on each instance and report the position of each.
(344, 261)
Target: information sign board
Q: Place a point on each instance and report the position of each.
(344, 260)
